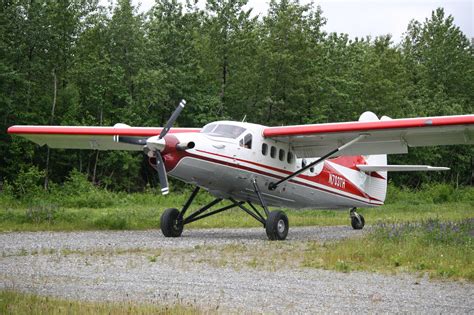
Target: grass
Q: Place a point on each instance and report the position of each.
(19, 303)
(144, 216)
(96, 209)
(443, 250)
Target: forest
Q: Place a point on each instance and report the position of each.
(78, 63)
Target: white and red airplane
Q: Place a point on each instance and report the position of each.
(327, 166)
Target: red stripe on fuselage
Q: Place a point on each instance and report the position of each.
(315, 179)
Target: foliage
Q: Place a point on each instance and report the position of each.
(79, 63)
(436, 193)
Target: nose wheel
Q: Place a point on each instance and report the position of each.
(170, 223)
(357, 220)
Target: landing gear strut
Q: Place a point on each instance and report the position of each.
(275, 223)
(357, 220)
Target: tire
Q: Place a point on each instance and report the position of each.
(277, 225)
(170, 227)
(357, 222)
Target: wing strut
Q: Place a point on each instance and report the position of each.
(273, 186)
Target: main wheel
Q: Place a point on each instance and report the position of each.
(169, 223)
(277, 225)
(357, 221)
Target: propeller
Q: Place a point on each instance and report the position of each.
(153, 146)
(162, 176)
(159, 144)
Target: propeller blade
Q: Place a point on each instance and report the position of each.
(172, 119)
(130, 140)
(162, 176)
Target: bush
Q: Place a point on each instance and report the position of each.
(28, 182)
(431, 193)
(79, 192)
(77, 183)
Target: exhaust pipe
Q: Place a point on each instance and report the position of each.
(185, 146)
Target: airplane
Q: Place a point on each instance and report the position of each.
(315, 166)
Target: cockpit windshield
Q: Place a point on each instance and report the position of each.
(223, 130)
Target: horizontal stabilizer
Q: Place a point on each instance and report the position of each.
(400, 168)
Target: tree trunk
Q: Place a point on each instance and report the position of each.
(53, 108)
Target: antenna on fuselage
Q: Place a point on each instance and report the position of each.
(243, 119)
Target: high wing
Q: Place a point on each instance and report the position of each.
(386, 136)
(93, 138)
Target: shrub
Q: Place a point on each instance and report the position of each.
(28, 182)
(77, 183)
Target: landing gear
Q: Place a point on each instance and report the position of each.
(275, 222)
(170, 223)
(277, 225)
(357, 220)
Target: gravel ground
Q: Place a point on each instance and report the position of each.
(144, 266)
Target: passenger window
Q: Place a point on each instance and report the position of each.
(248, 141)
(264, 149)
(303, 163)
(311, 169)
(273, 151)
(281, 154)
(289, 157)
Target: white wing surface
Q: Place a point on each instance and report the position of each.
(93, 138)
(381, 136)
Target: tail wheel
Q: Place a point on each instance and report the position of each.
(357, 221)
(170, 224)
(277, 225)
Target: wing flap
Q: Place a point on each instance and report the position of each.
(400, 168)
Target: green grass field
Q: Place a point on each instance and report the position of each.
(101, 210)
(20, 303)
(443, 250)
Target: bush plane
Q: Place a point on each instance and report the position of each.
(315, 166)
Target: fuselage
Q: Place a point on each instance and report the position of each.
(227, 156)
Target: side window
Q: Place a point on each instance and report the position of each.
(281, 154)
(311, 169)
(289, 157)
(303, 163)
(264, 149)
(273, 152)
(246, 142)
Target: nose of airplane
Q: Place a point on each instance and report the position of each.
(156, 144)
(173, 148)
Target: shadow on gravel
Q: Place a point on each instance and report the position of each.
(258, 234)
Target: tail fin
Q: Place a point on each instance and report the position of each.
(376, 184)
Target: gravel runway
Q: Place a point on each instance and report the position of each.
(203, 269)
